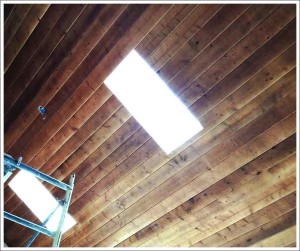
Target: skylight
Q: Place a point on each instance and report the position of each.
(39, 200)
(152, 103)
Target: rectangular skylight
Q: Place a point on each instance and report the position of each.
(152, 103)
(39, 200)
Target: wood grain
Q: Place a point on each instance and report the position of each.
(233, 65)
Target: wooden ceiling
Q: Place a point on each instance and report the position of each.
(233, 65)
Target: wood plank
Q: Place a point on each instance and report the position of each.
(177, 14)
(102, 96)
(91, 86)
(131, 182)
(7, 193)
(59, 54)
(23, 33)
(119, 137)
(100, 203)
(149, 170)
(132, 194)
(273, 197)
(259, 234)
(13, 231)
(292, 245)
(42, 53)
(8, 9)
(105, 106)
(190, 25)
(289, 186)
(39, 33)
(58, 57)
(234, 202)
(174, 230)
(168, 204)
(104, 112)
(239, 93)
(162, 8)
(130, 18)
(253, 221)
(70, 64)
(191, 70)
(56, 34)
(222, 187)
(186, 29)
(15, 242)
(135, 34)
(125, 45)
(240, 52)
(14, 21)
(268, 229)
(224, 26)
(145, 19)
(102, 135)
(115, 159)
(265, 202)
(136, 159)
(146, 201)
(108, 16)
(109, 161)
(99, 118)
(280, 239)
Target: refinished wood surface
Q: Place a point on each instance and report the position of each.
(233, 65)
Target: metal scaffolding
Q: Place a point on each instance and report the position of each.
(10, 165)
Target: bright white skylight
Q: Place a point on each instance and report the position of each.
(152, 103)
(39, 200)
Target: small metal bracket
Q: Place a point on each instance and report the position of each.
(61, 202)
(19, 161)
(8, 171)
(42, 111)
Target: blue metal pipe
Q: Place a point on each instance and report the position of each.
(28, 244)
(8, 160)
(67, 200)
(28, 224)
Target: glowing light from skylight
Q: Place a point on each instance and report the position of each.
(39, 200)
(152, 103)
